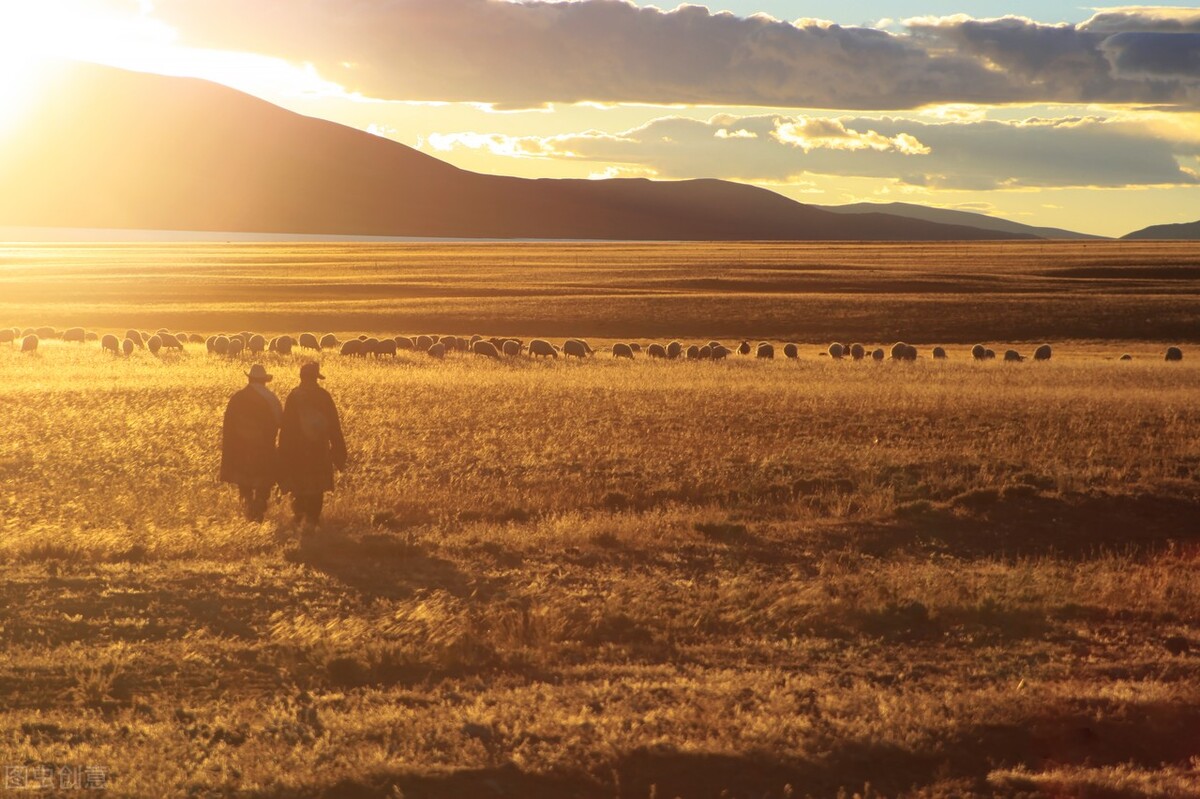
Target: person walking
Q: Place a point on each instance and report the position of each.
(311, 446)
(248, 459)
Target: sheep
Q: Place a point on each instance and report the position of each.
(436, 351)
(137, 338)
(7, 336)
(170, 341)
(30, 343)
(635, 347)
(29, 331)
(877, 354)
(210, 344)
(765, 350)
(1174, 354)
(706, 352)
(511, 348)
(656, 351)
(571, 348)
(1012, 356)
(404, 343)
(791, 351)
(154, 344)
(110, 344)
(352, 347)
(370, 346)
(979, 352)
(899, 351)
(221, 345)
(425, 342)
(1042, 353)
(587, 348)
(386, 347)
(836, 351)
(258, 343)
(692, 353)
(622, 351)
(127, 347)
(47, 332)
(989, 354)
(284, 345)
(540, 348)
(309, 342)
(1126, 357)
(858, 352)
(75, 335)
(329, 342)
(674, 349)
(744, 348)
(236, 345)
(485, 348)
(939, 353)
(720, 352)
(195, 338)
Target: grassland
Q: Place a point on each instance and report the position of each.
(609, 579)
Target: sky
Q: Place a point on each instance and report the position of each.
(1047, 113)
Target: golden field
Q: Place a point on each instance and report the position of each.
(609, 578)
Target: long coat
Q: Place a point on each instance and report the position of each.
(248, 455)
(311, 442)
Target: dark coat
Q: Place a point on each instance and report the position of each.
(248, 440)
(310, 443)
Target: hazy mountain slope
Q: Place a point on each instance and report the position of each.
(113, 149)
(952, 217)
(1187, 230)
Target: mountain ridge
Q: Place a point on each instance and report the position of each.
(1184, 231)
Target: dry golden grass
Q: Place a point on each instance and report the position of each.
(606, 579)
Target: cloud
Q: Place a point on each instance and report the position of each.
(979, 155)
(520, 54)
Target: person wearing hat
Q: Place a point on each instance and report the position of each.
(311, 446)
(248, 459)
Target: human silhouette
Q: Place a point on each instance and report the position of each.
(248, 457)
(311, 446)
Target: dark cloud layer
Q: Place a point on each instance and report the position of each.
(531, 53)
(980, 155)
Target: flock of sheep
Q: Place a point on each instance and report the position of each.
(248, 343)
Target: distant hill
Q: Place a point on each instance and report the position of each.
(108, 148)
(1187, 230)
(951, 217)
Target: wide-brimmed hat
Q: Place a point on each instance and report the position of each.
(259, 372)
(311, 370)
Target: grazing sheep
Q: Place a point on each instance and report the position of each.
(635, 347)
(386, 347)
(29, 331)
(30, 343)
(195, 338)
(46, 333)
(1174, 354)
(858, 352)
(136, 338)
(329, 341)
(425, 342)
(656, 351)
(706, 352)
(791, 351)
(370, 346)
(258, 343)
(110, 344)
(210, 344)
(720, 352)
(154, 344)
(221, 345)
(1012, 356)
(1042, 353)
(877, 354)
(75, 335)
(989, 355)
(674, 350)
(713, 344)
(309, 342)
(979, 352)
(692, 353)
(91, 336)
(511, 348)
(405, 343)
(744, 348)
(765, 350)
(572, 348)
(436, 351)
(939, 353)
(1126, 357)
(127, 347)
(836, 351)
(622, 351)
(171, 341)
(899, 351)
(7, 336)
(586, 347)
(540, 348)
(352, 347)
(485, 348)
(284, 344)
(236, 345)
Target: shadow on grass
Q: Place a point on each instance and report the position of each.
(1101, 733)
